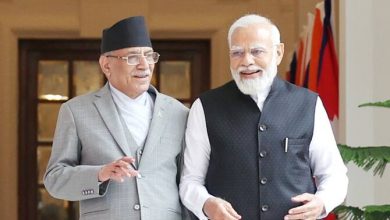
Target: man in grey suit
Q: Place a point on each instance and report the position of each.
(118, 150)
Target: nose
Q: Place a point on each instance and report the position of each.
(248, 60)
(143, 63)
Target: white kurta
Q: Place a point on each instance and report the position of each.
(137, 113)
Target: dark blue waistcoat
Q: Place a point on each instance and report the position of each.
(249, 166)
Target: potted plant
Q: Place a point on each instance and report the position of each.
(369, 158)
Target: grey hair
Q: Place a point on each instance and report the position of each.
(247, 20)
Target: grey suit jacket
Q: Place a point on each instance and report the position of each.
(89, 134)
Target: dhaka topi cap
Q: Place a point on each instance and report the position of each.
(129, 32)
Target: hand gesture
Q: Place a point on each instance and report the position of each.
(219, 209)
(312, 207)
(117, 170)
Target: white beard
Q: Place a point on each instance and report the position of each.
(257, 85)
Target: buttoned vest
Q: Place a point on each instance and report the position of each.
(252, 164)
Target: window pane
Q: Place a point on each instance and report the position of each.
(47, 118)
(51, 208)
(87, 76)
(43, 155)
(53, 80)
(175, 79)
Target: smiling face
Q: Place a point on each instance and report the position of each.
(254, 58)
(132, 80)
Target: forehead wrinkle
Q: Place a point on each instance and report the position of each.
(235, 47)
(258, 46)
(252, 46)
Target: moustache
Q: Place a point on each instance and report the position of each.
(141, 74)
(249, 69)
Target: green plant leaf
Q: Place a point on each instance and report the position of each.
(349, 212)
(377, 212)
(375, 158)
(377, 208)
(371, 212)
(385, 104)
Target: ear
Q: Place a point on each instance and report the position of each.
(104, 65)
(279, 53)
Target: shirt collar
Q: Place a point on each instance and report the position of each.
(123, 100)
(260, 97)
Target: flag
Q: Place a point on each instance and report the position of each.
(291, 74)
(316, 62)
(315, 49)
(328, 69)
(331, 216)
(308, 43)
(299, 71)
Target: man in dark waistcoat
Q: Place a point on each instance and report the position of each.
(259, 147)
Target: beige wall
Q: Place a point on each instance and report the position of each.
(364, 77)
(84, 19)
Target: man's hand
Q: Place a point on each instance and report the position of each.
(117, 170)
(219, 209)
(312, 207)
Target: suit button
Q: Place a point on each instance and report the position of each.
(263, 181)
(262, 128)
(264, 208)
(263, 154)
(136, 207)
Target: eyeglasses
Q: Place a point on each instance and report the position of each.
(135, 59)
(257, 52)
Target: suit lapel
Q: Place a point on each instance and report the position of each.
(157, 124)
(106, 107)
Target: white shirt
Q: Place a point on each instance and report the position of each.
(325, 161)
(137, 113)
